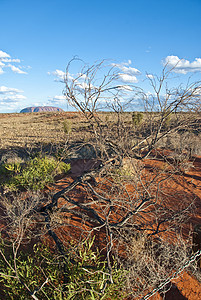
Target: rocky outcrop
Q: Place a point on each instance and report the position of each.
(40, 109)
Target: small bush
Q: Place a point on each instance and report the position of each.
(137, 118)
(34, 175)
(81, 275)
(67, 125)
(167, 119)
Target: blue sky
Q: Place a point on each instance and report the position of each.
(39, 37)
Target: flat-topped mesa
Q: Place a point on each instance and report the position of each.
(40, 109)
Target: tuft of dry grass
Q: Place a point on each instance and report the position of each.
(30, 129)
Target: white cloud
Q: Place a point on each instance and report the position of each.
(80, 79)
(182, 66)
(58, 73)
(120, 65)
(17, 60)
(13, 98)
(84, 86)
(127, 73)
(130, 70)
(5, 61)
(4, 55)
(124, 67)
(10, 97)
(127, 78)
(57, 100)
(9, 108)
(150, 76)
(16, 70)
(6, 90)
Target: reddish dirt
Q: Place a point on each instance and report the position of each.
(188, 183)
(185, 184)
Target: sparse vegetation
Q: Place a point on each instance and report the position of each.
(45, 275)
(114, 229)
(67, 127)
(34, 174)
(137, 118)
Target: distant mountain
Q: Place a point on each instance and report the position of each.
(40, 109)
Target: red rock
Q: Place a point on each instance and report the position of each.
(40, 109)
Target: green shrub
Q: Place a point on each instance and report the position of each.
(167, 119)
(137, 118)
(67, 125)
(81, 275)
(34, 175)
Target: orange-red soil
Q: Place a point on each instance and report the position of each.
(185, 184)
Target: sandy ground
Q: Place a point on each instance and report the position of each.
(189, 184)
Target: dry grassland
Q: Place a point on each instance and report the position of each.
(29, 129)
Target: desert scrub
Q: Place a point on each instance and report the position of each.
(167, 119)
(129, 170)
(137, 118)
(81, 275)
(67, 126)
(34, 174)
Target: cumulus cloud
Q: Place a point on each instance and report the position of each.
(5, 60)
(150, 76)
(16, 70)
(10, 95)
(58, 73)
(80, 80)
(125, 68)
(4, 55)
(82, 85)
(130, 70)
(58, 100)
(128, 78)
(182, 66)
(127, 73)
(6, 90)
(10, 107)
(17, 60)
(13, 98)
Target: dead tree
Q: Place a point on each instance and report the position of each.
(121, 203)
(167, 110)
